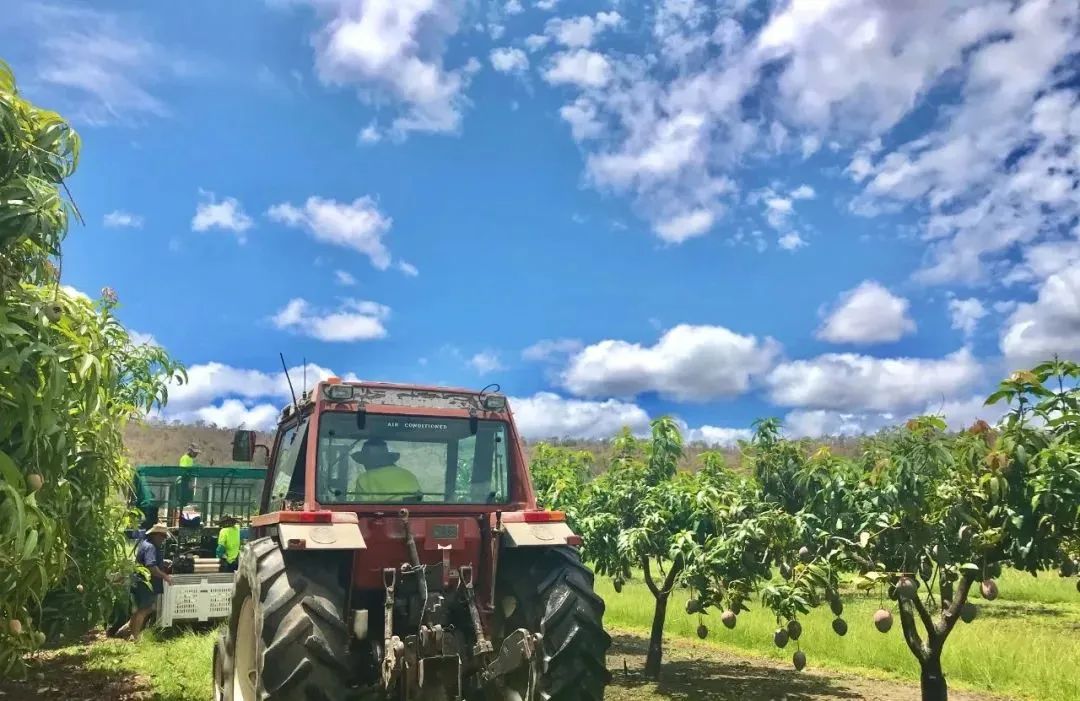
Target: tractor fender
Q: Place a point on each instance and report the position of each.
(319, 536)
(525, 535)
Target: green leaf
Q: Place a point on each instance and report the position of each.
(11, 473)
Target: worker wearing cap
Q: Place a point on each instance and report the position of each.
(383, 480)
(228, 543)
(149, 577)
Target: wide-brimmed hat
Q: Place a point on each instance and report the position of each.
(375, 454)
(228, 520)
(157, 529)
(192, 448)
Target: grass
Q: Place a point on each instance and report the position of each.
(1025, 644)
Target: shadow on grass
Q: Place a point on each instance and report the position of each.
(67, 675)
(715, 679)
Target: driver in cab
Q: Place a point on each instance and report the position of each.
(383, 480)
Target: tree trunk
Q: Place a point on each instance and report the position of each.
(656, 638)
(932, 679)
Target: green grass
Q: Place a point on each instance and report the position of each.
(1024, 644)
(175, 667)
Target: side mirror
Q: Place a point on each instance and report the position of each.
(243, 446)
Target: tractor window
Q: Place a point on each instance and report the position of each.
(288, 484)
(409, 459)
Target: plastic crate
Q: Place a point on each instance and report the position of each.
(196, 597)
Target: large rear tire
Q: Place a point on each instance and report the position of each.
(554, 595)
(287, 638)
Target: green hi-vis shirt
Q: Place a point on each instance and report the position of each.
(386, 484)
(229, 543)
(186, 460)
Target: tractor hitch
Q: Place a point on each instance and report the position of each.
(519, 649)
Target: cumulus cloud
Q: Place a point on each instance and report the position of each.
(486, 362)
(390, 49)
(867, 314)
(581, 115)
(693, 363)
(535, 42)
(344, 278)
(547, 415)
(120, 219)
(717, 435)
(791, 241)
(352, 320)
(370, 134)
(227, 215)
(358, 225)
(509, 60)
(579, 67)
(408, 268)
(860, 383)
(686, 225)
(965, 314)
(579, 32)
(819, 423)
(1037, 330)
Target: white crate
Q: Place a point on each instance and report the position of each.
(196, 597)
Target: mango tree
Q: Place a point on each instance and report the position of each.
(70, 377)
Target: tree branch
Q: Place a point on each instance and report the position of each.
(676, 568)
(927, 621)
(647, 571)
(911, 632)
(952, 614)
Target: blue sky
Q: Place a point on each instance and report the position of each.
(840, 213)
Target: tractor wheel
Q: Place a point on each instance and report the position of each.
(287, 639)
(222, 667)
(553, 594)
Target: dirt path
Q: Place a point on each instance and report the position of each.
(696, 672)
(692, 672)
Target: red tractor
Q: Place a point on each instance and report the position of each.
(400, 554)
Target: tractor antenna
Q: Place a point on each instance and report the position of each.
(303, 392)
(284, 367)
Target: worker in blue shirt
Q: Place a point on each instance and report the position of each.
(148, 580)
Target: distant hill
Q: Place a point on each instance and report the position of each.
(160, 443)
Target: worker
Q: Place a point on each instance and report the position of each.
(383, 480)
(149, 578)
(228, 543)
(186, 484)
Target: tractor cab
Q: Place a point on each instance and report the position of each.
(410, 511)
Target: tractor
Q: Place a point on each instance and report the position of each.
(400, 554)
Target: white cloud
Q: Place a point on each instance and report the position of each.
(138, 338)
(581, 115)
(867, 314)
(485, 362)
(791, 241)
(579, 32)
(692, 363)
(684, 226)
(97, 67)
(547, 415)
(1037, 330)
(408, 268)
(546, 4)
(549, 348)
(353, 320)
(815, 423)
(535, 42)
(717, 435)
(509, 60)
(392, 49)
(227, 214)
(860, 383)
(121, 219)
(513, 7)
(965, 314)
(344, 278)
(210, 382)
(803, 192)
(233, 413)
(358, 225)
(370, 134)
(580, 67)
